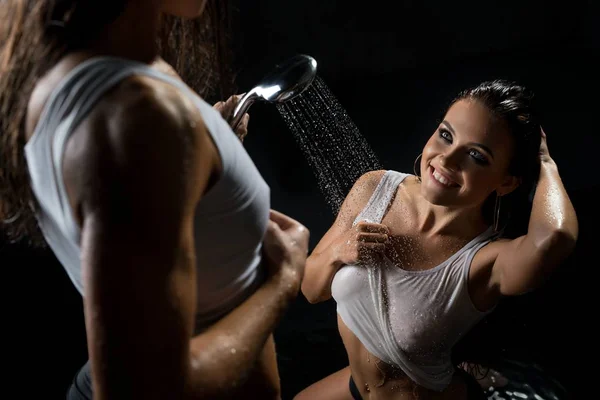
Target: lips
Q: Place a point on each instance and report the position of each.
(442, 179)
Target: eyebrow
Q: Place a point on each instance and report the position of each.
(482, 146)
(450, 128)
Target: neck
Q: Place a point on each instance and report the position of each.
(133, 34)
(456, 221)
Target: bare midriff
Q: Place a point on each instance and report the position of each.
(377, 380)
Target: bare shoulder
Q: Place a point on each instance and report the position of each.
(359, 195)
(145, 109)
(366, 184)
(162, 66)
(141, 135)
(364, 187)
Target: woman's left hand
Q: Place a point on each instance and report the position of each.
(226, 109)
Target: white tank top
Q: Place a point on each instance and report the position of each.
(230, 219)
(410, 319)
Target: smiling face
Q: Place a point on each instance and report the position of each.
(467, 158)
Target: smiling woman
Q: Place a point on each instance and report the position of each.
(415, 262)
(499, 132)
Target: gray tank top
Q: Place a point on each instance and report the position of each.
(230, 219)
(410, 319)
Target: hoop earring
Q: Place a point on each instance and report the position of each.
(417, 161)
(497, 213)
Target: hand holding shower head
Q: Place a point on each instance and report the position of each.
(286, 81)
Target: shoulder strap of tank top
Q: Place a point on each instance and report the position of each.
(80, 90)
(70, 102)
(489, 235)
(381, 197)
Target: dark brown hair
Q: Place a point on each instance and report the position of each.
(35, 34)
(513, 104)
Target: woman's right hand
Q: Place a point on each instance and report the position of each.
(286, 248)
(363, 244)
(227, 107)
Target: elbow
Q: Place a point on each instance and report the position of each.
(313, 287)
(560, 242)
(312, 296)
(565, 239)
(315, 299)
(207, 379)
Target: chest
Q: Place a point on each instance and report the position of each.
(231, 218)
(409, 248)
(234, 211)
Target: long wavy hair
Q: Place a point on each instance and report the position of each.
(35, 34)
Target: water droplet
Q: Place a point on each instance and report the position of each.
(332, 144)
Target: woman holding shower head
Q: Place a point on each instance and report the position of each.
(415, 261)
(145, 195)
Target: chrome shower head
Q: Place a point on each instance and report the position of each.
(286, 81)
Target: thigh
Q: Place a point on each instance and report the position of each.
(334, 387)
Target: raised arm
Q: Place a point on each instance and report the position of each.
(135, 176)
(523, 263)
(343, 244)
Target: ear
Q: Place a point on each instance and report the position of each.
(510, 183)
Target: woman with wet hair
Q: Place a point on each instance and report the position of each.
(415, 261)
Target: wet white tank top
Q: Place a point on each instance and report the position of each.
(410, 319)
(230, 219)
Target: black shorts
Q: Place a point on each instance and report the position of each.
(354, 390)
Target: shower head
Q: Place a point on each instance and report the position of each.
(286, 81)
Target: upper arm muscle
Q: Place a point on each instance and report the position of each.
(520, 265)
(141, 173)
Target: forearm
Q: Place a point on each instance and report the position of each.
(319, 273)
(553, 220)
(224, 355)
